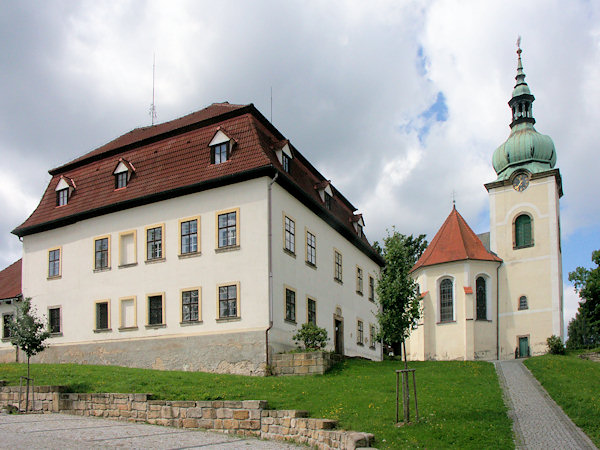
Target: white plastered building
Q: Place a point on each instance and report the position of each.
(203, 243)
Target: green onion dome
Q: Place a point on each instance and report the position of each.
(525, 148)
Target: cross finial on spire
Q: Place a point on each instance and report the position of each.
(453, 199)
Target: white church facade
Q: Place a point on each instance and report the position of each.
(498, 295)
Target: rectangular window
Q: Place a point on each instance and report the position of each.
(155, 309)
(62, 197)
(285, 162)
(311, 248)
(311, 309)
(359, 333)
(327, 201)
(290, 305)
(128, 313)
(54, 320)
(228, 301)
(121, 180)
(154, 242)
(6, 321)
(54, 263)
(102, 253)
(102, 315)
(290, 235)
(188, 230)
(359, 230)
(227, 229)
(190, 309)
(127, 248)
(359, 281)
(372, 336)
(337, 269)
(220, 153)
(371, 288)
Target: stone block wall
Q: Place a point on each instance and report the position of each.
(247, 417)
(309, 363)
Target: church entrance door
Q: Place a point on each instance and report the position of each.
(523, 347)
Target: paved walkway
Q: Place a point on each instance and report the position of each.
(538, 422)
(61, 431)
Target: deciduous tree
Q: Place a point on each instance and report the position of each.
(587, 285)
(397, 292)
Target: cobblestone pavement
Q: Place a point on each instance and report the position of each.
(61, 431)
(538, 422)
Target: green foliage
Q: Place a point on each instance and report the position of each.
(397, 292)
(587, 284)
(555, 345)
(28, 332)
(312, 337)
(460, 402)
(581, 333)
(574, 384)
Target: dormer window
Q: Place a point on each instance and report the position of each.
(123, 173)
(63, 189)
(120, 180)
(359, 223)
(327, 200)
(285, 162)
(220, 148)
(284, 155)
(62, 197)
(325, 192)
(220, 153)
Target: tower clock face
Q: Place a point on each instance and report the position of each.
(520, 182)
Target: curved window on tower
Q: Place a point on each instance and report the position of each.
(446, 301)
(523, 303)
(481, 298)
(523, 231)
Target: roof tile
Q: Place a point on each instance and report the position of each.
(10, 281)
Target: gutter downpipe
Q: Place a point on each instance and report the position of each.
(270, 257)
(498, 312)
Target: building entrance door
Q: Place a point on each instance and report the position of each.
(339, 336)
(523, 347)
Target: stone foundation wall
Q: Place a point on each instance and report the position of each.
(309, 363)
(241, 353)
(248, 417)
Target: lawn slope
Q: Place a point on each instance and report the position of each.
(460, 403)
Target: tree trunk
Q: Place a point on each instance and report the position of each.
(406, 387)
(27, 392)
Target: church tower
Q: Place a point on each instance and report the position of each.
(525, 232)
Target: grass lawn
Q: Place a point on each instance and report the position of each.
(574, 384)
(460, 403)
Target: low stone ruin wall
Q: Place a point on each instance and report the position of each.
(309, 363)
(248, 417)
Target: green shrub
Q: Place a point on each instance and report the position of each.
(555, 345)
(313, 337)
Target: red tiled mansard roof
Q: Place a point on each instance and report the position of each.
(455, 241)
(10, 281)
(173, 159)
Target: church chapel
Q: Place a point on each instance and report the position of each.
(498, 295)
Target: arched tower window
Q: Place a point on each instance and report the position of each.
(481, 298)
(523, 231)
(446, 301)
(523, 304)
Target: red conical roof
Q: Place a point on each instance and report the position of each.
(455, 241)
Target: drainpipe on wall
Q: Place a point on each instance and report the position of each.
(498, 312)
(270, 257)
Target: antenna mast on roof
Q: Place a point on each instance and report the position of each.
(271, 104)
(153, 114)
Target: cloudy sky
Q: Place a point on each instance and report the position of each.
(400, 103)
